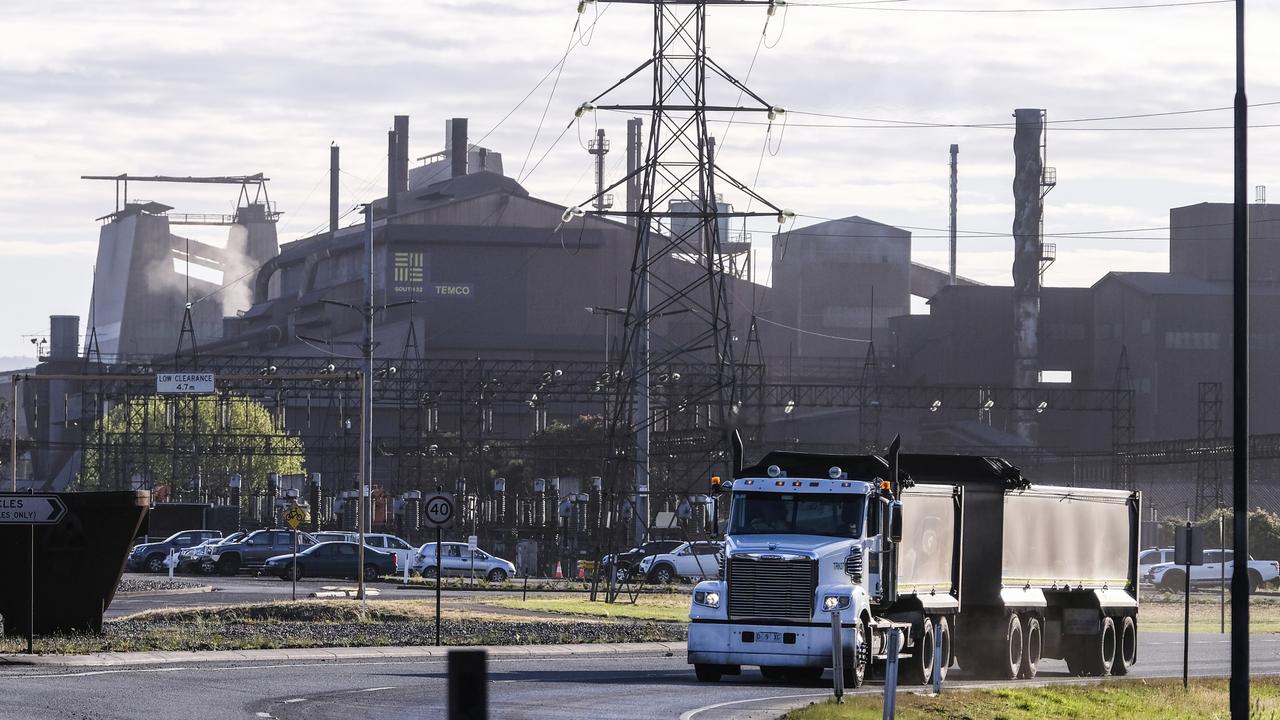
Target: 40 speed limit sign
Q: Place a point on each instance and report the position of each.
(438, 510)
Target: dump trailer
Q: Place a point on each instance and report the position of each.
(811, 536)
(1048, 571)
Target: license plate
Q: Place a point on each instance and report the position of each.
(768, 637)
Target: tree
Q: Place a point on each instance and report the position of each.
(1264, 530)
(168, 442)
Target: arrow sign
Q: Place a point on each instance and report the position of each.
(24, 509)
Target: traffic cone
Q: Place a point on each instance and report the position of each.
(559, 574)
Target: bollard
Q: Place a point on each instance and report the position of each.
(468, 685)
(891, 676)
(406, 571)
(837, 657)
(172, 562)
(937, 657)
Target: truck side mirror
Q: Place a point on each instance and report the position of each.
(895, 521)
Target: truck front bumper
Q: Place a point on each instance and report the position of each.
(721, 643)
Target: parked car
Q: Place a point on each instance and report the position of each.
(149, 557)
(696, 561)
(335, 536)
(456, 559)
(196, 559)
(1151, 557)
(628, 563)
(252, 551)
(332, 559)
(403, 551)
(1171, 577)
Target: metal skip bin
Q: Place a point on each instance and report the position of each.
(78, 562)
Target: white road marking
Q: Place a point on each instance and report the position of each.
(691, 714)
(388, 687)
(294, 700)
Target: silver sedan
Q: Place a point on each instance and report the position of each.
(458, 560)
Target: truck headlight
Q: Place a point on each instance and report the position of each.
(831, 603)
(707, 598)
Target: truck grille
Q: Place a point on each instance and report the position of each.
(771, 588)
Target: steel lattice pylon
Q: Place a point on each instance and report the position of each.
(677, 306)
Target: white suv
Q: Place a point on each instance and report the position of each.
(697, 561)
(1173, 578)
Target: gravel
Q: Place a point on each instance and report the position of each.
(146, 584)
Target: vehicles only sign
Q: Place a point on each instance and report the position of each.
(199, 383)
(24, 509)
(438, 510)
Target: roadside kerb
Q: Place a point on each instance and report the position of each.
(174, 591)
(134, 659)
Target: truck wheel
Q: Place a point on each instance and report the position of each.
(1011, 659)
(155, 563)
(1255, 581)
(708, 673)
(855, 673)
(945, 638)
(920, 668)
(1127, 651)
(1100, 650)
(1031, 652)
(371, 573)
(1174, 581)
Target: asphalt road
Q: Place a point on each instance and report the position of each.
(627, 687)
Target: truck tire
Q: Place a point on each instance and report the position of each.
(1255, 581)
(855, 673)
(1127, 650)
(1009, 656)
(708, 673)
(1033, 648)
(1100, 650)
(948, 653)
(920, 666)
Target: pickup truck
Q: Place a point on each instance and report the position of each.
(1171, 577)
(149, 557)
(697, 560)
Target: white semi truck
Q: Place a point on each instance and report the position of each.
(957, 550)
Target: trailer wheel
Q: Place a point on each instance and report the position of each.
(1100, 650)
(1011, 662)
(1127, 651)
(1034, 646)
(947, 652)
(920, 669)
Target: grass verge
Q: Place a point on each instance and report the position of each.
(1162, 612)
(1113, 700)
(664, 608)
(337, 623)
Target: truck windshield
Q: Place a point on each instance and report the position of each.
(761, 513)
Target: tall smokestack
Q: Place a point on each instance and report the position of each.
(1028, 209)
(955, 152)
(634, 126)
(333, 189)
(393, 173)
(457, 147)
(402, 153)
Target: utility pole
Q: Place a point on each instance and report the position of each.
(366, 402)
(1240, 394)
(955, 151)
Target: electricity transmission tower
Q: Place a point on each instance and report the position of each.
(676, 371)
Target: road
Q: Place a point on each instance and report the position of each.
(608, 688)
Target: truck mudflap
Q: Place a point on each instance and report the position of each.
(1115, 598)
(807, 645)
(1023, 598)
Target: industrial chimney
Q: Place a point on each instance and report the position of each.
(457, 143)
(1028, 209)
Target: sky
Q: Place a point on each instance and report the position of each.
(237, 87)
